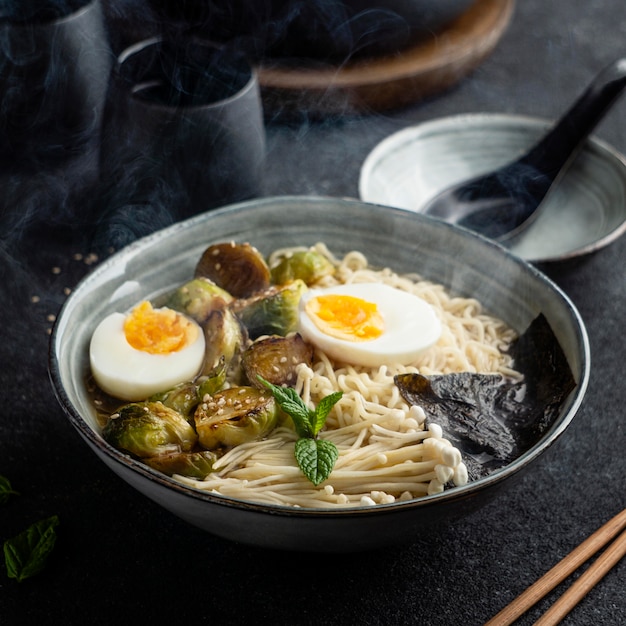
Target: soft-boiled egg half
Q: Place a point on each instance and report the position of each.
(149, 350)
(368, 324)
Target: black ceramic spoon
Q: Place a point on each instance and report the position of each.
(502, 203)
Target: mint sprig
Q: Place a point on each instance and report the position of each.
(316, 457)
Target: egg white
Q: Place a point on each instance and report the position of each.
(411, 326)
(130, 374)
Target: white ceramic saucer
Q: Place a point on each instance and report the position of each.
(584, 213)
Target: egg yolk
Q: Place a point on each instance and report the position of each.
(346, 317)
(158, 331)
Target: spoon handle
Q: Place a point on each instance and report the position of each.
(564, 140)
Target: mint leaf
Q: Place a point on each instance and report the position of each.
(26, 554)
(323, 409)
(6, 490)
(316, 458)
(292, 404)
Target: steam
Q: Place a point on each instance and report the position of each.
(122, 220)
(49, 126)
(331, 31)
(38, 11)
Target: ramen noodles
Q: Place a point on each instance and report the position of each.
(387, 453)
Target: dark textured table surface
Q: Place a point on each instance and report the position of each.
(120, 559)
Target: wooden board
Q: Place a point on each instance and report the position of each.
(389, 82)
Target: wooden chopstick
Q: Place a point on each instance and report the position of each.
(610, 557)
(563, 569)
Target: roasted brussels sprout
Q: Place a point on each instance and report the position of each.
(225, 339)
(234, 416)
(192, 464)
(198, 298)
(183, 398)
(239, 268)
(213, 381)
(147, 429)
(273, 312)
(307, 265)
(276, 359)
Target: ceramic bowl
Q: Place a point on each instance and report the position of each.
(584, 213)
(466, 263)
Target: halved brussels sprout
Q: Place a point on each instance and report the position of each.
(276, 359)
(225, 339)
(234, 416)
(273, 312)
(213, 381)
(198, 298)
(191, 464)
(148, 429)
(307, 265)
(183, 398)
(239, 268)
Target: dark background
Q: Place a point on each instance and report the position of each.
(122, 559)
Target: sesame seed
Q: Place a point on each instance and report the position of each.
(51, 317)
(35, 299)
(56, 270)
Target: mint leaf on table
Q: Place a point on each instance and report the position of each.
(316, 457)
(26, 554)
(6, 491)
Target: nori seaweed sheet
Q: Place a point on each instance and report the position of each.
(493, 419)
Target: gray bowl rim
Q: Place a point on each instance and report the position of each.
(592, 142)
(449, 495)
